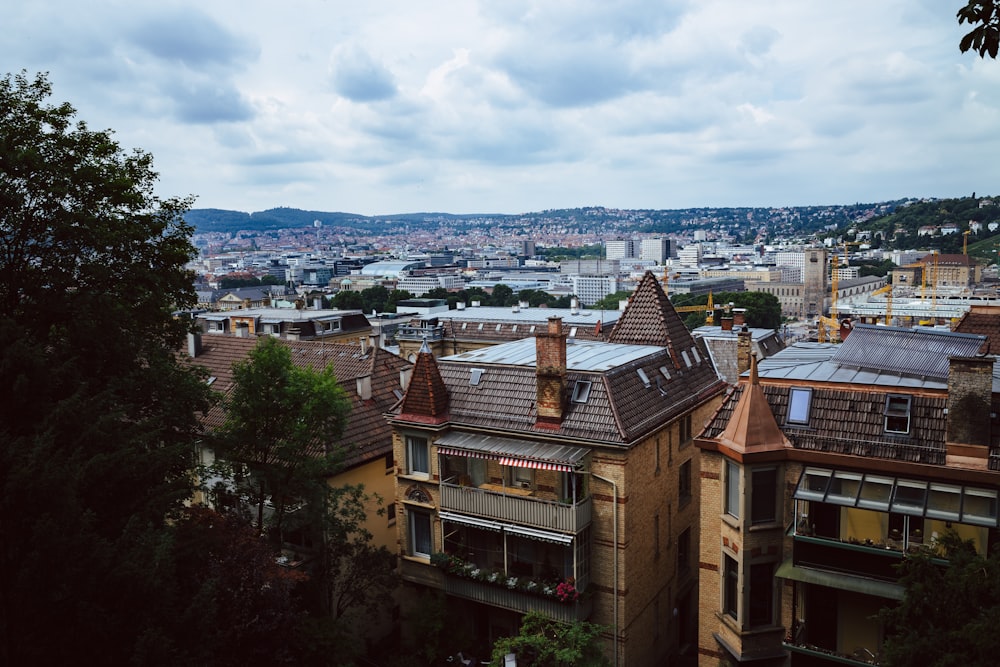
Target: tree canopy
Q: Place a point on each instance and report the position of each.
(543, 642)
(949, 613)
(984, 38)
(99, 418)
(283, 422)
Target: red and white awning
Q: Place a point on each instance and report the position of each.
(537, 465)
(513, 452)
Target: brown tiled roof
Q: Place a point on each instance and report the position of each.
(426, 398)
(985, 321)
(619, 410)
(650, 319)
(367, 435)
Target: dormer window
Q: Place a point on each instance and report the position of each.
(897, 413)
(799, 402)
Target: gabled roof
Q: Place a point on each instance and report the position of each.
(650, 319)
(367, 435)
(426, 398)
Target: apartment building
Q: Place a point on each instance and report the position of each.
(822, 471)
(559, 476)
(621, 248)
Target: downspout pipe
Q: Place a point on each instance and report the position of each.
(614, 522)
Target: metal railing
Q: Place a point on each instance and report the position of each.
(515, 600)
(880, 449)
(526, 511)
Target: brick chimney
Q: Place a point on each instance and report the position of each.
(739, 317)
(743, 340)
(550, 374)
(970, 393)
(727, 323)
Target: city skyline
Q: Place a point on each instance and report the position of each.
(515, 107)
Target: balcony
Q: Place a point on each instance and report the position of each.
(518, 509)
(875, 562)
(418, 333)
(518, 601)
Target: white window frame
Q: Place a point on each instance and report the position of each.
(412, 442)
(799, 405)
(412, 518)
(732, 498)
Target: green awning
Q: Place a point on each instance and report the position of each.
(844, 582)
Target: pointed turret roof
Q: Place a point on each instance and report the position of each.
(752, 427)
(650, 319)
(426, 398)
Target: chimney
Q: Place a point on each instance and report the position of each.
(845, 329)
(550, 374)
(574, 307)
(739, 316)
(743, 341)
(364, 384)
(727, 323)
(194, 344)
(970, 392)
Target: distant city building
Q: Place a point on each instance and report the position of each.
(591, 289)
(657, 250)
(620, 249)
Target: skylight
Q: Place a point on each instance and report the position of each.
(581, 391)
(475, 376)
(642, 376)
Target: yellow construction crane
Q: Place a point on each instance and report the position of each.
(709, 310)
(887, 290)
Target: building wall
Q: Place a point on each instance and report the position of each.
(378, 480)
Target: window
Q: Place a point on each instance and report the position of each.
(417, 457)
(685, 429)
(420, 534)
(522, 477)
(684, 484)
(390, 513)
(732, 498)
(684, 551)
(642, 376)
(581, 391)
(388, 463)
(897, 414)
(730, 586)
(763, 495)
(799, 401)
(475, 375)
(762, 594)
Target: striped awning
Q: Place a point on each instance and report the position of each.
(512, 452)
(509, 528)
(537, 465)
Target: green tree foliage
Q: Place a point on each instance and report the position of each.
(873, 268)
(355, 577)
(98, 419)
(346, 300)
(503, 295)
(611, 301)
(763, 310)
(949, 614)
(984, 38)
(283, 423)
(543, 642)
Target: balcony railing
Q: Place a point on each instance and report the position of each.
(526, 511)
(880, 449)
(409, 332)
(518, 601)
(865, 560)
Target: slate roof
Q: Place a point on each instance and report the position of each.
(851, 419)
(367, 435)
(984, 321)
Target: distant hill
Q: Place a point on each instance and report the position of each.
(743, 222)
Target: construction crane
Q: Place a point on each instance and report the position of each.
(709, 310)
(887, 290)
(831, 322)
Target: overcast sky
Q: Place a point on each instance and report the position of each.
(508, 106)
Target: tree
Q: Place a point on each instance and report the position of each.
(347, 300)
(543, 642)
(99, 418)
(611, 301)
(283, 422)
(949, 613)
(355, 576)
(762, 310)
(502, 295)
(985, 36)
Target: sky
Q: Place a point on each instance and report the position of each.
(509, 106)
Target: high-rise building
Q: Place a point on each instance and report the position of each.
(620, 249)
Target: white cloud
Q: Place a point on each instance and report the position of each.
(510, 106)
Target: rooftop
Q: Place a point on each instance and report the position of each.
(581, 355)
